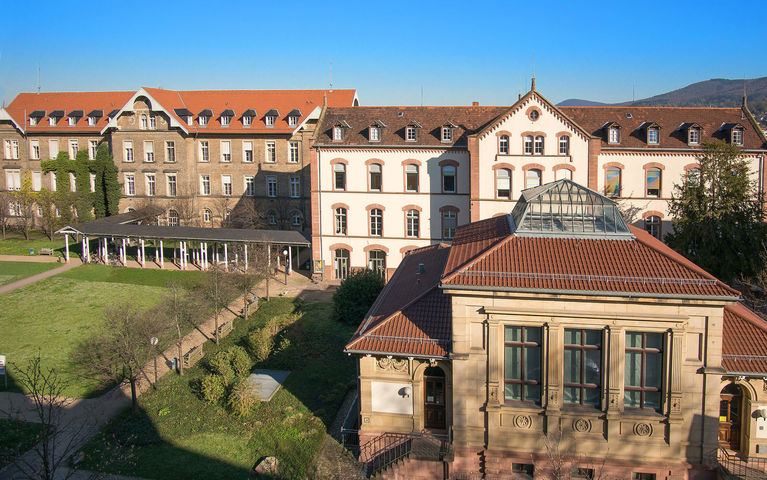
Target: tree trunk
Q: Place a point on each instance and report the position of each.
(216, 331)
(26, 232)
(134, 403)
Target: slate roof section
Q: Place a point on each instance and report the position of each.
(468, 120)
(744, 341)
(672, 134)
(65, 101)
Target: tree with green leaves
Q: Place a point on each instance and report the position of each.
(25, 200)
(83, 200)
(106, 199)
(717, 215)
(50, 222)
(356, 295)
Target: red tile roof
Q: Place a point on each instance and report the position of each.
(669, 119)
(744, 341)
(26, 103)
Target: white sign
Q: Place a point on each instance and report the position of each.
(2, 364)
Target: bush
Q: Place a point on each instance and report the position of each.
(220, 363)
(239, 360)
(243, 397)
(260, 343)
(212, 388)
(356, 294)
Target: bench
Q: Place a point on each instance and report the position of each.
(193, 356)
(46, 251)
(224, 328)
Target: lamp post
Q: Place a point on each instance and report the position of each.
(285, 253)
(153, 342)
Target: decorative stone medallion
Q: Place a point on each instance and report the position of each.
(582, 425)
(642, 429)
(523, 421)
(393, 364)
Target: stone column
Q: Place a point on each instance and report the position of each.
(66, 247)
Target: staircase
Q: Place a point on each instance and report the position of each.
(735, 467)
(405, 455)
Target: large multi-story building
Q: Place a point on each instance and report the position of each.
(389, 179)
(205, 157)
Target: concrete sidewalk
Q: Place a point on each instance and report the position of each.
(74, 262)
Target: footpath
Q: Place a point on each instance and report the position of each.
(74, 262)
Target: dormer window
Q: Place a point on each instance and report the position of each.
(410, 135)
(32, 121)
(204, 116)
(693, 136)
(737, 136)
(225, 121)
(653, 135)
(247, 117)
(271, 117)
(93, 117)
(185, 114)
(189, 119)
(91, 121)
(203, 121)
(72, 121)
(614, 135)
(338, 133)
(269, 121)
(293, 117)
(375, 133)
(447, 132)
(52, 121)
(226, 117)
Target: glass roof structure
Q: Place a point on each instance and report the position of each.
(566, 209)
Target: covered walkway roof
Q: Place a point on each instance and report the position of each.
(229, 235)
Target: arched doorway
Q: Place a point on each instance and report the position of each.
(341, 261)
(434, 398)
(730, 416)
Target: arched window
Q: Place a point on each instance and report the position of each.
(503, 183)
(693, 177)
(411, 178)
(340, 176)
(377, 262)
(296, 219)
(528, 145)
(449, 224)
(448, 179)
(613, 182)
(340, 221)
(653, 178)
(144, 122)
(533, 178)
(503, 145)
(341, 263)
(539, 145)
(564, 173)
(653, 226)
(375, 177)
(206, 215)
(564, 145)
(376, 222)
(412, 221)
(172, 218)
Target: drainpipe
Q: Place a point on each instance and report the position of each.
(703, 397)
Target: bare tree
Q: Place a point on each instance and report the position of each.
(263, 259)
(178, 309)
(246, 214)
(566, 465)
(6, 203)
(217, 289)
(223, 210)
(25, 203)
(245, 282)
(184, 205)
(50, 221)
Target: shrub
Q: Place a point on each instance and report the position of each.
(260, 343)
(239, 360)
(220, 363)
(356, 294)
(243, 397)
(212, 388)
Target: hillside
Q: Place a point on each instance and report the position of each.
(577, 102)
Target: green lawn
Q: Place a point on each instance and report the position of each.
(54, 315)
(12, 271)
(178, 436)
(15, 244)
(16, 438)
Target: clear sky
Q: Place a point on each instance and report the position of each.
(389, 51)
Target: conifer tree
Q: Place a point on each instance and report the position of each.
(106, 199)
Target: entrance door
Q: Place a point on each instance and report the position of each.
(729, 417)
(434, 398)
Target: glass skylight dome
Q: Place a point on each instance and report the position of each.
(566, 209)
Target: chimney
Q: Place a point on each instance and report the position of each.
(474, 104)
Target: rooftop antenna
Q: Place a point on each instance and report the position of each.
(331, 74)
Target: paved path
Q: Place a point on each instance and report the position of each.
(84, 418)
(74, 262)
(29, 258)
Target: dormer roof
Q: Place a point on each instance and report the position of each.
(96, 113)
(206, 112)
(227, 113)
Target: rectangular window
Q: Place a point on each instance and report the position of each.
(376, 222)
(412, 223)
(226, 185)
(72, 182)
(737, 136)
(292, 121)
(340, 221)
(170, 152)
(503, 183)
(247, 152)
(250, 185)
(271, 186)
(293, 152)
(143, 123)
(338, 134)
(53, 148)
(528, 145)
(204, 151)
(538, 145)
(91, 121)
(150, 185)
(410, 134)
(339, 170)
(72, 121)
(411, 178)
(449, 224)
(642, 476)
(34, 149)
(375, 134)
(171, 184)
(246, 120)
(375, 177)
(564, 145)
(653, 182)
(295, 187)
(615, 135)
(693, 136)
(204, 184)
(32, 121)
(53, 181)
(37, 181)
(130, 184)
(269, 121)
(448, 179)
(149, 151)
(522, 370)
(583, 367)
(225, 121)
(152, 122)
(644, 370)
(523, 468)
(447, 134)
(652, 136)
(203, 121)
(613, 182)
(226, 152)
(73, 147)
(13, 179)
(7, 149)
(52, 121)
(92, 182)
(93, 147)
(127, 151)
(271, 152)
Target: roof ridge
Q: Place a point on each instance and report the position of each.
(754, 318)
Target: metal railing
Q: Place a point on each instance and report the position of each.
(732, 466)
(389, 448)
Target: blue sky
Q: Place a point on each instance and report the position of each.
(388, 51)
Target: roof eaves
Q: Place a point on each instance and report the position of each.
(599, 293)
(4, 115)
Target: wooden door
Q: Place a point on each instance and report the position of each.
(729, 419)
(434, 402)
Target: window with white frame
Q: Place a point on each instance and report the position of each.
(339, 176)
(652, 136)
(202, 120)
(448, 179)
(34, 149)
(538, 145)
(72, 121)
(533, 178)
(271, 186)
(150, 184)
(693, 177)
(338, 134)
(225, 119)
(376, 222)
(377, 262)
(204, 184)
(226, 185)
(292, 121)
(152, 122)
(73, 147)
(226, 151)
(269, 120)
(271, 152)
(204, 151)
(447, 133)
(250, 185)
(53, 148)
(503, 145)
(93, 148)
(189, 120)
(32, 121)
(91, 121)
(72, 182)
(374, 182)
(293, 152)
(295, 187)
(693, 136)
(170, 151)
(143, 122)
(374, 133)
(171, 184)
(340, 221)
(652, 224)
(614, 135)
(737, 136)
(13, 179)
(130, 184)
(206, 214)
(411, 178)
(295, 218)
(54, 185)
(149, 151)
(7, 144)
(247, 151)
(412, 223)
(37, 181)
(127, 150)
(410, 134)
(503, 183)
(52, 121)
(92, 179)
(528, 144)
(247, 120)
(564, 145)
(173, 218)
(449, 224)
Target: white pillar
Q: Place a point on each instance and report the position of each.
(174, 254)
(162, 256)
(226, 259)
(82, 249)
(143, 254)
(216, 247)
(246, 256)
(66, 247)
(290, 258)
(205, 255)
(124, 254)
(184, 259)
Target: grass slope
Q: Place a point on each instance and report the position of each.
(179, 436)
(16, 438)
(12, 271)
(15, 244)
